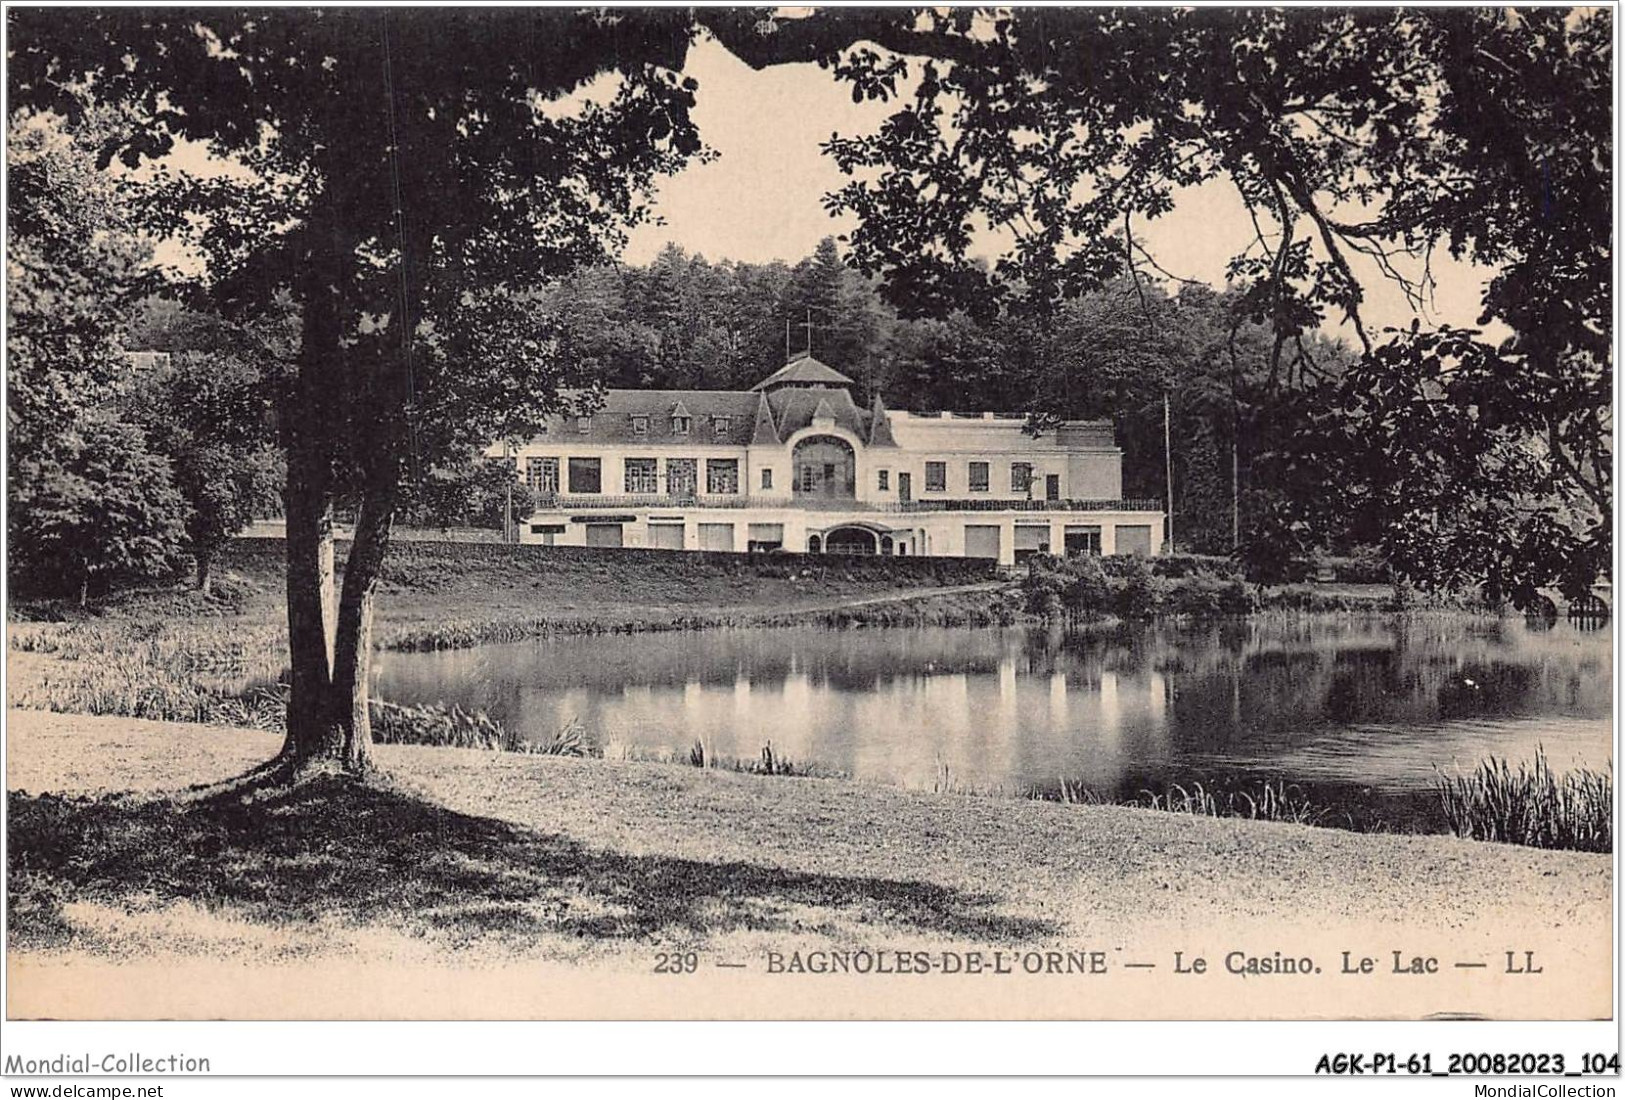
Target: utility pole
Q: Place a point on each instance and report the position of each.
(787, 339)
(1235, 496)
(1168, 466)
(507, 508)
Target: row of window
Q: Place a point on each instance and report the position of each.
(978, 476)
(641, 476)
(680, 424)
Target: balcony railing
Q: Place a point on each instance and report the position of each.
(979, 505)
(569, 501)
(564, 502)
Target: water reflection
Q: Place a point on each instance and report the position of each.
(1349, 703)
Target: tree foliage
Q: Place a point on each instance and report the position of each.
(75, 266)
(1352, 136)
(105, 510)
(87, 502)
(480, 492)
(411, 173)
(210, 410)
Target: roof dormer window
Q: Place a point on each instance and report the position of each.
(640, 425)
(722, 424)
(583, 424)
(679, 425)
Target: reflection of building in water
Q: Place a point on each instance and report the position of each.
(1057, 698)
(1110, 713)
(1009, 702)
(890, 707)
(795, 464)
(1156, 692)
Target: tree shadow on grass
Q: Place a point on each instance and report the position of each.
(334, 848)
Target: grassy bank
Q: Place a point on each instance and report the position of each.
(168, 653)
(500, 856)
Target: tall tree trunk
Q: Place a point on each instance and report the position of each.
(312, 733)
(311, 430)
(205, 582)
(344, 410)
(352, 653)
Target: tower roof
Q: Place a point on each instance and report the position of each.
(796, 407)
(765, 430)
(803, 370)
(880, 434)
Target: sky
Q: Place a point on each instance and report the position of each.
(762, 198)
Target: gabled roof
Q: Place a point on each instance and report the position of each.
(612, 422)
(803, 370)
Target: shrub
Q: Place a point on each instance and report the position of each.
(1199, 596)
(1238, 598)
(1405, 597)
(1141, 596)
(1087, 591)
(1365, 565)
(1176, 566)
(1132, 588)
(1041, 588)
(440, 725)
(1307, 598)
(1077, 586)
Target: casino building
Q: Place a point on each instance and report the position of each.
(795, 465)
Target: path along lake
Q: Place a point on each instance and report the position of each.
(1357, 711)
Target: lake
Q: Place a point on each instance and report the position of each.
(1355, 710)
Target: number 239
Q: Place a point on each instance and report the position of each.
(677, 962)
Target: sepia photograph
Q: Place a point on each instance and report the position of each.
(885, 513)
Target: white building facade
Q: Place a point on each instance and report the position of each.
(795, 465)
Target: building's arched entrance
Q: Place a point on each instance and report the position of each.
(825, 468)
(851, 540)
